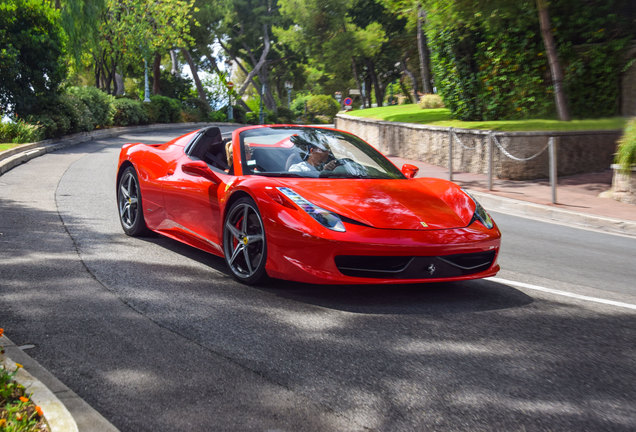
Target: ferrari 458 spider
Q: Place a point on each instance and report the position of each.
(307, 204)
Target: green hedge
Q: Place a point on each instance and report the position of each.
(482, 75)
(162, 109)
(129, 112)
(99, 103)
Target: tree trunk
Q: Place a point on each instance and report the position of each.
(175, 62)
(377, 85)
(195, 75)
(553, 59)
(156, 74)
(422, 48)
(411, 77)
(268, 98)
(355, 74)
(260, 63)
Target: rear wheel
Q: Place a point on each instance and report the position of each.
(244, 242)
(131, 213)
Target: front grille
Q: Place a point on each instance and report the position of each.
(414, 267)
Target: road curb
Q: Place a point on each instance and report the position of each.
(63, 410)
(543, 212)
(25, 152)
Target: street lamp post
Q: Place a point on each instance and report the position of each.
(289, 86)
(146, 88)
(338, 96)
(230, 108)
(261, 114)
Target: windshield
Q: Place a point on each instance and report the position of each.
(311, 152)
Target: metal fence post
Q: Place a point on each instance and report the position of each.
(553, 168)
(490, 159)
(450, 154)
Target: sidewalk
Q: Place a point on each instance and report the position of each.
(578, 202)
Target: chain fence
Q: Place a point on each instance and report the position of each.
(492, 143)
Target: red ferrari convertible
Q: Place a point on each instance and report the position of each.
(307, 204)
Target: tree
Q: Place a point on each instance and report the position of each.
(245, 33)
(415, 13)
(556, 71)
(31, 64)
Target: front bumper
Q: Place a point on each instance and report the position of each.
(394, 256)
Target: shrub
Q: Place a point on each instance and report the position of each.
(174, 86)
(162, 109)
(218, 116)
(323, 105)
(52, 124)
(20, 131)
(129, 112)
(251, 117)
(626, 155)
(238, 112)
(195, 110)
(62, 114)
(98, 103)
(286, 115)
(298, 105)
(429, 101)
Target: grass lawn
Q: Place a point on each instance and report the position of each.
(7, 146)
(412, 113)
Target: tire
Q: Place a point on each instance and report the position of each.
(129, 204)
(244, 242)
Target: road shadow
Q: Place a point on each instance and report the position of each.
(430, 299)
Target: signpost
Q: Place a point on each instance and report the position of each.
(347, 103)
(230, 109)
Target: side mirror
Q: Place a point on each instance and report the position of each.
(200, 169)
(409, 170)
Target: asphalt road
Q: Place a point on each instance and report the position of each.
(157, 336)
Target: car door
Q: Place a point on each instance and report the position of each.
(192, 206)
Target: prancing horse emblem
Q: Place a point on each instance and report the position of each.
(431, 269)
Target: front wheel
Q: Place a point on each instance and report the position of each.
(244, 243)
(131, 213)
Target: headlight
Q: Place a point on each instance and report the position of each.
(324, 217)
(480, 213)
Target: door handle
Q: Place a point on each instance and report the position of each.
(170, 172)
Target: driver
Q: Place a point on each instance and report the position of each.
(316, 157)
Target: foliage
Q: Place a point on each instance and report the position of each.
(62, 114)
(162, 109)
(31, 48)
(17, 412)
(195, 110)
(20, 131)
(98, 103)
(323, 105)
(286, 115)
(299, 105)
(175, 86)
(429, 101)
(238, 112)
(129, 112)
(218, 116)
(483, 76)
(626, 155)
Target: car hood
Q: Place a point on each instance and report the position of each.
(414, 204)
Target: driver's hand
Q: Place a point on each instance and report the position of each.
(331, 165)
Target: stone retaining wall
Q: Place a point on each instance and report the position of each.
(577, 152)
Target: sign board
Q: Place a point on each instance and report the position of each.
(348, 101)
(230, 85)
(354, 92)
